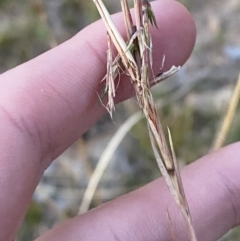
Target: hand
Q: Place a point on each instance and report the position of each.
(47, 103)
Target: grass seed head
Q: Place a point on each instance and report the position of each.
(135, 56)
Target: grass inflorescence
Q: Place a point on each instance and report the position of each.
(134, 57)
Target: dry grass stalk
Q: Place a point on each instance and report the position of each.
(116, 140)
(136, 57)
(228, 119)
(104, 161)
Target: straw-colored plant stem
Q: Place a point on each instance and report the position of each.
(228, 119)
(135, 56)
(118, 137)
(104, 161)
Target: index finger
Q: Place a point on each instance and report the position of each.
(61, 84)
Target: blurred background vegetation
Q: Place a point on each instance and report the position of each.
(195, 100)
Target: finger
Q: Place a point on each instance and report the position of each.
(56, 92)
(212, 186)
(47, 103)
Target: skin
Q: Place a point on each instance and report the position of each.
(50, 101)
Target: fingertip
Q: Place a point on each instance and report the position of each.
(176, 34)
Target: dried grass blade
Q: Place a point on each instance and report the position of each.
(138, 20)
(138, 13)
(177, 180)
(116, 37)
(110, 82)
(173, 181)
(137, 65)
(228, 119)
(163, 168)
(105, 159)
(127, 17)
(165, 75)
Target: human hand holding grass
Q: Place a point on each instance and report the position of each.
(47, 103)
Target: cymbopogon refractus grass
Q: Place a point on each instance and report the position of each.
(134, 57)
